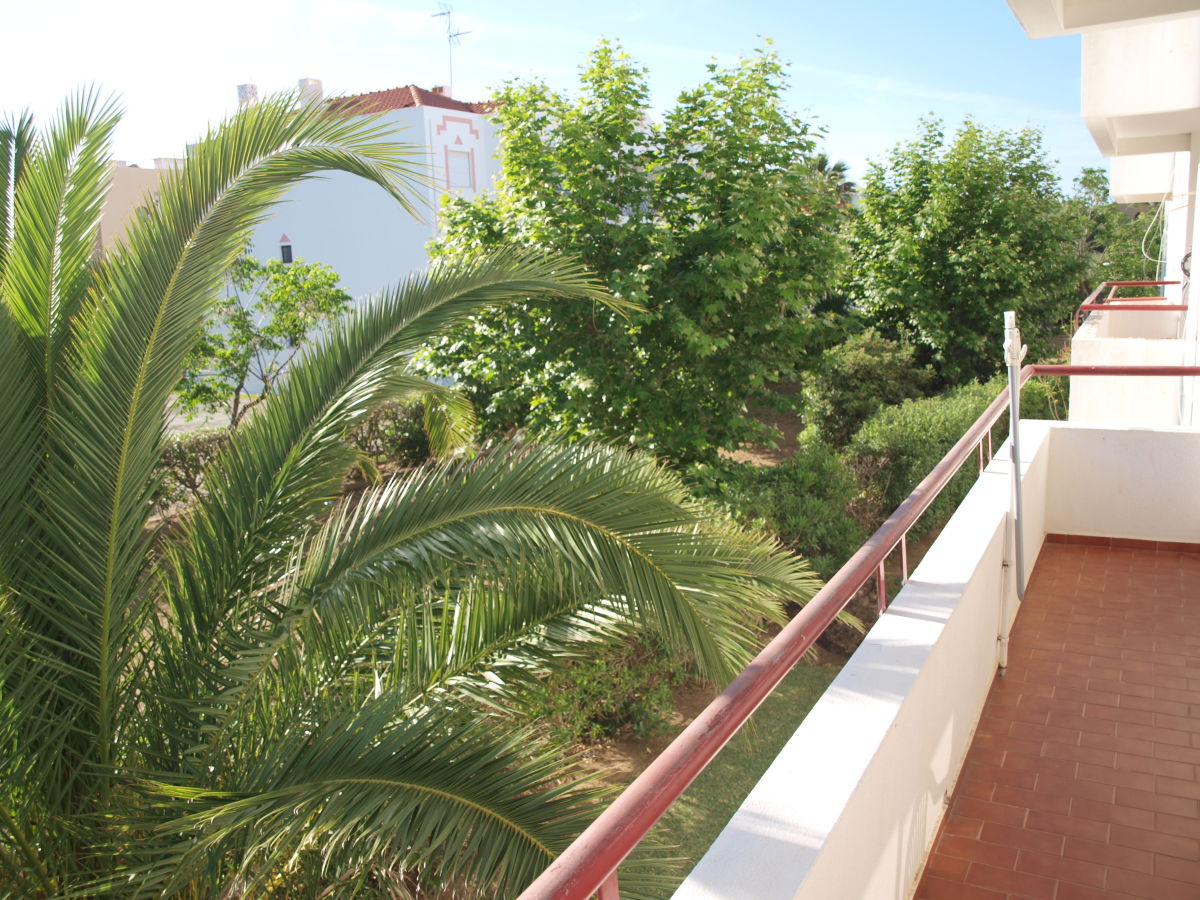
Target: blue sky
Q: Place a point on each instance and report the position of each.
(865, 70)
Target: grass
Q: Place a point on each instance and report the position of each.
(694, 822)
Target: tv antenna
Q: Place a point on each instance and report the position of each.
(452, 36)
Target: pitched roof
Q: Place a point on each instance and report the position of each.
(403, 98)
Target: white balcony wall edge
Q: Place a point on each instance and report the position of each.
(1124, 482)
(875, 761)
(1128, 338)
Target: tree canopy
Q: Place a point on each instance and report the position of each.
(953, 232)
(720, 221)
(1118, 242)
(256, 330)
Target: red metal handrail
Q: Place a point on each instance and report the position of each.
(1094, 303)
(589, 866)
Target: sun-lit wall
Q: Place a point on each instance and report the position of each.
(851, 804)
(362, 232)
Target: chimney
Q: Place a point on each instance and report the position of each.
(247, 95)
(442, 90)
(310, 90)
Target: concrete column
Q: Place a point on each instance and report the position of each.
(1191, 324)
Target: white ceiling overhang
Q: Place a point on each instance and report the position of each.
(1054, 18)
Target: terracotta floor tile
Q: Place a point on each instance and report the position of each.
(1085, 778)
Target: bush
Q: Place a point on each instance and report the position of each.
(184, 459)
(899, 445)
(1041, 398)
(856, 378)
(624, 689)
(394, 433)
(803, 500)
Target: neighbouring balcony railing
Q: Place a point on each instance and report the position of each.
(1096, 302)
(589, 866)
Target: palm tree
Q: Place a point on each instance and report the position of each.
(835, 173)
(291, 691)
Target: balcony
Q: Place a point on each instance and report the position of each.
(959, 681)
(876, 761)
(1081, 780)
(1011, 726)
(1114, 328)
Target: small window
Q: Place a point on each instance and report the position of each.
(459, 172)
(285, 252)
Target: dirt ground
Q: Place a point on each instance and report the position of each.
(789, 425)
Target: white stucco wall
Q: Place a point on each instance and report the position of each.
(130, 188)
(1054, 18)
(1117, 338)
(1125, 482)
(1144, 178)
(874, 762)
(362, 232)
(1139, 92)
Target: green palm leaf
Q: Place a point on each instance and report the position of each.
(55, 217)
(104, 346)
(290, 690)
(370, 791)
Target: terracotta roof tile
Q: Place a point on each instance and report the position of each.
(403, 98)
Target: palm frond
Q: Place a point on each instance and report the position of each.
(485, 809)
(21, 443)
(289, 686)
(121, 353)
(55, 218)
(449, 420)
(623, 525)
(289, 459)
(16, 137)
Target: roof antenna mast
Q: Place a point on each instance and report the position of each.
(452, 37)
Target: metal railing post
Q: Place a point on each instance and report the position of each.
(1013, 354)
(610, 890)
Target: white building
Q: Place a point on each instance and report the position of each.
(356, 227)
(342, 220)
(1007, 730)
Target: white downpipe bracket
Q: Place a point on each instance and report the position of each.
(1014, 353)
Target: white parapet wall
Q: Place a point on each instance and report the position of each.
(851, 804)
(1128, 338)
(1135, 483)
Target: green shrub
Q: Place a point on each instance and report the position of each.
(1041, 398)
(394, 433)
(899, 445)
(185, 457)
(856, 378)
(624, 689)
(803, 500)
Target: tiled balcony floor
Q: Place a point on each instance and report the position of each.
(1082, 778)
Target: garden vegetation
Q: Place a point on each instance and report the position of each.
(289, 691)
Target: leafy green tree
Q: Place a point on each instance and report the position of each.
(716, 221)
(857, 377)
(289, 693)
(1117, 242)
(256, 330)
(953, 233)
